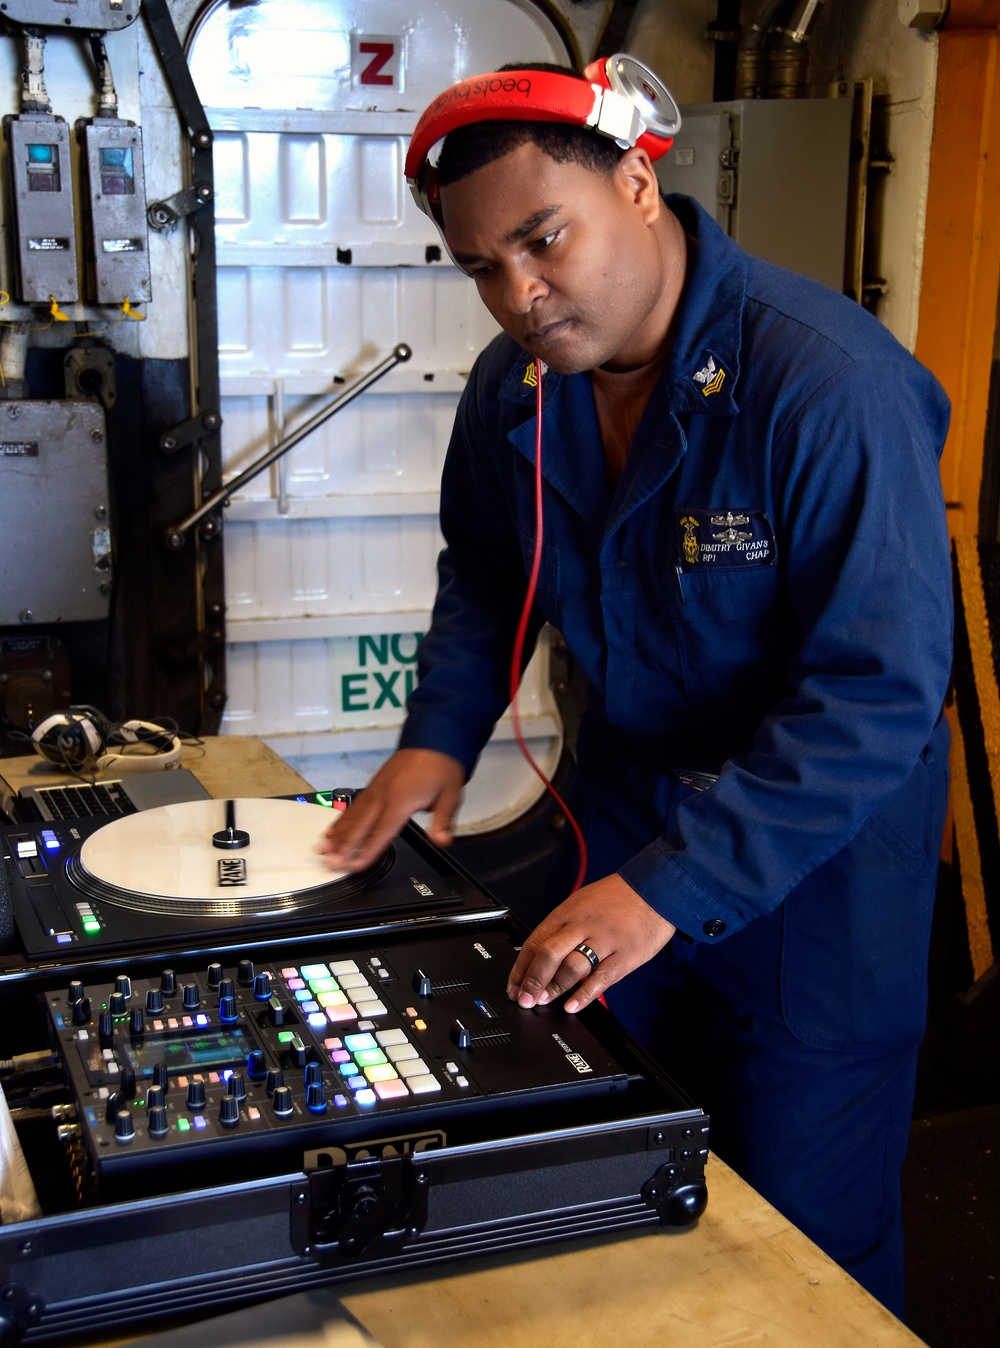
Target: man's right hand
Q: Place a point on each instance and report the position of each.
(412, 780)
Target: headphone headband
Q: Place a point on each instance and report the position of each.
(620, 98)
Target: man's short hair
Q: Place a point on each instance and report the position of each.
(473, 147)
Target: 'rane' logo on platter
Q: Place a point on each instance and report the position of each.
(232, 871)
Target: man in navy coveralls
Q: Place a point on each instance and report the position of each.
(745, 550)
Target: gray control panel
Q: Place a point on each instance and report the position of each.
(117, 256)
(54, 513)
(94, 16)
(41, 194)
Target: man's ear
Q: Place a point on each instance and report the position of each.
(638, 178)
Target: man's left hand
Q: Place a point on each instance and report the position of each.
(612, 920)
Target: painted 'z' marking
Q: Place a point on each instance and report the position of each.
(381, 54)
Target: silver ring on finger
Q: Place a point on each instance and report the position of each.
(589, 954)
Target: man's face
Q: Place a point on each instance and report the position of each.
(568, 261)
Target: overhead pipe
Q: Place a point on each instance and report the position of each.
(774, 61)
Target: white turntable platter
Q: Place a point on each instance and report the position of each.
(166, 860)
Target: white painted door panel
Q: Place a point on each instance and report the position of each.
(325, 264)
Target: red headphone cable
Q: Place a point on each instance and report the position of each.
(522, 629)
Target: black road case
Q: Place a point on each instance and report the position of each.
(282, 1085)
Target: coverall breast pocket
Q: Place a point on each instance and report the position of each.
(729, 629)
(547, 596)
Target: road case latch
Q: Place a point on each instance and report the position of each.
(359, 1200)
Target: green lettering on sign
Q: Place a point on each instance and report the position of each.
(379, 648)
(387, 695)
(349, 692)
(397, 650)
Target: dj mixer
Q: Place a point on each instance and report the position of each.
(241, 1067)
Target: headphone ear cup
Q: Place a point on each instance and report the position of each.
(69, 739)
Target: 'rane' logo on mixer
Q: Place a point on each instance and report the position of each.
(232, 871)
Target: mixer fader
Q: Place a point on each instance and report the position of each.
(226, 1062)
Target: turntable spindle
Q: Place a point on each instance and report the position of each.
(231, 837)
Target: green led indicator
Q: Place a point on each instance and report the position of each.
(325, 798)
(285, 1036)
(183, 1125)
(91, 927)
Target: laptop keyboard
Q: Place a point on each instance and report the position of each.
(83, 801)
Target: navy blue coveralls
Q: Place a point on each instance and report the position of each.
(766, 595)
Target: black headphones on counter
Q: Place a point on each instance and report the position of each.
(83, 740)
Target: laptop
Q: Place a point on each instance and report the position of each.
(112, 798)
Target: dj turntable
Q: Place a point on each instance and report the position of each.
(213, 873)
(235, 1073)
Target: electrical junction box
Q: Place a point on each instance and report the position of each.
(117, 256)
(93, 16)
(43, 221)
(55, 565)
(774, 173)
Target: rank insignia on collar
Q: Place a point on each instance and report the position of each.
(530, 378)
(711, 376)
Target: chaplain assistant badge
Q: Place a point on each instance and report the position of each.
(725, 538)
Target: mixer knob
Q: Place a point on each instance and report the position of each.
(81, 1011)
(256, 1064)
(313, 1072)
(161, 1077)
(136, 1027)
(227, 988)
(262, 987)
(113, 1105)
(190, 997)
(154, 1001)
(105, 1028)
(316, 1097)
(156, 1122)
(214, 975)
(281, 1100)
(460, 1036)
(275, 1078)
(237, 1086)
(155, 1098)
(124, 1127)
(229, 1111)
(116, 1005)
(422, 985)
(196, 1095)
(123, 984)
(168, 983)
(75, 991)
(126, 1083)
(227, 1010)
(244, 973)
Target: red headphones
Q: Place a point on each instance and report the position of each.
(620, 98)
